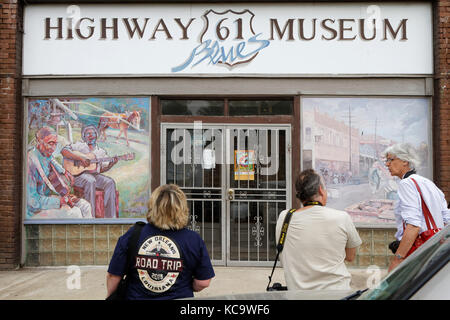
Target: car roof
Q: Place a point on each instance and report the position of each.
(286, 295)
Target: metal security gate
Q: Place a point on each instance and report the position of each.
(237, 180)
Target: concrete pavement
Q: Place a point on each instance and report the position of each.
(88, 282)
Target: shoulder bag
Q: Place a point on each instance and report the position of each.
(120, 292)
(432, 229)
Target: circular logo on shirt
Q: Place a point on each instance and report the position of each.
(158, 263)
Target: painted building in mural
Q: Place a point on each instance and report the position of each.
(337, 127)
(229, 101)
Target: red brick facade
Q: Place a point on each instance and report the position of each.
(10, 132)
(441, 105)
(11, 118)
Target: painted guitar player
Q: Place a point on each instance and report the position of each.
(87, 161)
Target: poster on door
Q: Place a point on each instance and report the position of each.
(244, 165)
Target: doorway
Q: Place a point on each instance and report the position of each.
(237, 178)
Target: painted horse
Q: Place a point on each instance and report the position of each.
(119, 121)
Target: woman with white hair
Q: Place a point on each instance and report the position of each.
(410, 211)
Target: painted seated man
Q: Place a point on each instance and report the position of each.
(85, 152)
(45, 198)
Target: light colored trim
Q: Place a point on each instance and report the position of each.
(204, 87)
(23, 251)
(83, 221)
(163, 153)
(233, 75)
(429, 86)
(150, 145)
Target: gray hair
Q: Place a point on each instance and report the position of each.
(307, 185)
(44, 132)
(86, 128)
(405, 152)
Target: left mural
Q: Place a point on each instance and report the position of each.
(87, 158)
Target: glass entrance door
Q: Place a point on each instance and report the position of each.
(257, 191)
(237, 180)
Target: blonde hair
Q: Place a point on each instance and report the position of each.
(168, 208)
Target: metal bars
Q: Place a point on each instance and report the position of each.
(236, 181)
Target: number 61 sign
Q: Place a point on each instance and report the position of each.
(228, 38)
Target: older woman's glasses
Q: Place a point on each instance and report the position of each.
(389, 160)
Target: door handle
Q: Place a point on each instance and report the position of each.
(230, 194)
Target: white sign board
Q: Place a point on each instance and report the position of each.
(234, 39)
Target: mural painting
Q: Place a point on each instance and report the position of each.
(87, 158)
(344, 139)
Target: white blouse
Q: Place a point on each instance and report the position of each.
(408, 208)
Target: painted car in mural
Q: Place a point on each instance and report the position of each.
(344, 139)
(87, 158)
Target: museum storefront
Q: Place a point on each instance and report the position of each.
(230, 102)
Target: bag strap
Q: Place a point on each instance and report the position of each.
(281, 241)
(132, 245)
(426, 211)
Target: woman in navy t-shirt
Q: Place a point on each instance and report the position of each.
(172, 262)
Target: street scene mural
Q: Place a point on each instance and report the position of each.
(87, 158)
(344, 140)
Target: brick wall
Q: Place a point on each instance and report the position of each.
(10, 132)
(441, 116)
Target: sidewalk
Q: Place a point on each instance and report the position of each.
(61, 283)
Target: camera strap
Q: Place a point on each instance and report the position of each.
(281, 241)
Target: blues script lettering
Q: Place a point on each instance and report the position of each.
(214, 53)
